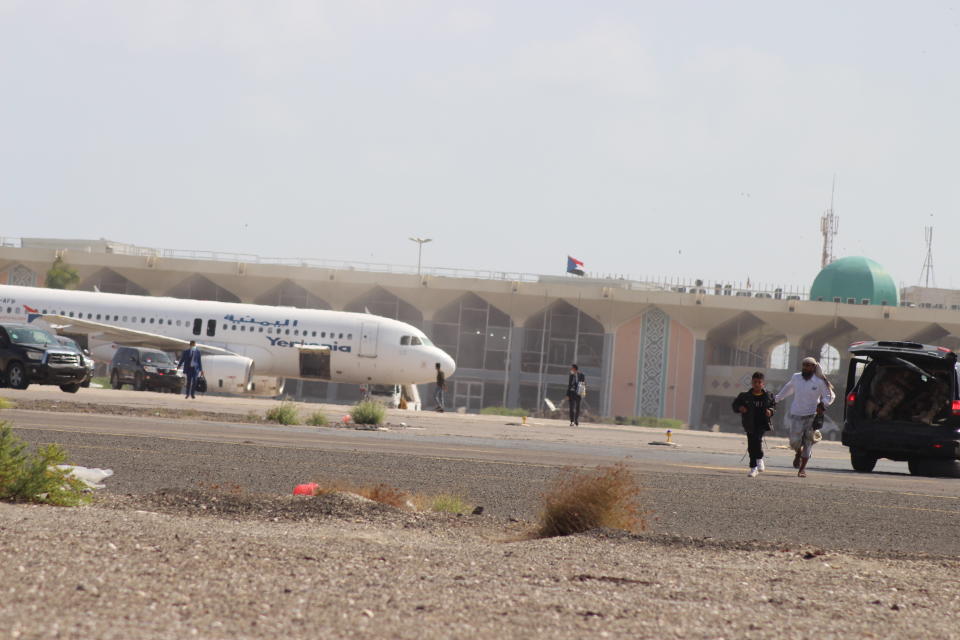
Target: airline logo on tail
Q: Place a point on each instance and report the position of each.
(32, 314)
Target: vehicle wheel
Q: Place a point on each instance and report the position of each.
(85, 384)
(115, 380)
(138, 382)
(17, 376)
(70, 388)
(932, 467)
(862, 461)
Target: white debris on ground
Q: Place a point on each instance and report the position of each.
(93, 478)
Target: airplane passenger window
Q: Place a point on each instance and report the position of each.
(124, 318)
(169, 322)
(143, 320)
(341, 336)
(269, 329)
(211, 327)
(323, 334)
(71, 314)
(349, 336)
(405, 340)
(415, 340)
(89, 316)
(115, 318)
(314, 334)
(151, 320)
(243, 327)
(98, 316)
(261, 329)
(233, 328)
(197, 326)
(224, 326)
(288, 331)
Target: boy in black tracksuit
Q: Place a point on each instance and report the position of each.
(755, 407)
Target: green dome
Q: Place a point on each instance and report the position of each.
(860, 279)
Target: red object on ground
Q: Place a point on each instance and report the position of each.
(308, 489)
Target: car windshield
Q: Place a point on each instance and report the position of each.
(155, 357)
(68, 342)
(383, 389)
(29, 335)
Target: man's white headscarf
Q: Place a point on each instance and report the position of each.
(818, 370)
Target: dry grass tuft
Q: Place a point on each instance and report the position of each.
(386, 494)
(580, 501)
(7, 404)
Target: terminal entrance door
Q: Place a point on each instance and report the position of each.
(469, 394)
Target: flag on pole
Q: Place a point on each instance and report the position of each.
(574, 266)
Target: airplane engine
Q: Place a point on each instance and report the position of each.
(266, 386)
(228, 374)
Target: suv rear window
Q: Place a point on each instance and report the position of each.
(904, 389)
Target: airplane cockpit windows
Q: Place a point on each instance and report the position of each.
(414, 340)
(405, 341)
(426, 341)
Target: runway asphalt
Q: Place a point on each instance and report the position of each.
(698, 488)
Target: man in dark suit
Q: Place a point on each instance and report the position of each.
(192, 368)
(573, 394)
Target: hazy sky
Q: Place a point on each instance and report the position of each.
(671, 138)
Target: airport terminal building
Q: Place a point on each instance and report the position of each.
(666, 349)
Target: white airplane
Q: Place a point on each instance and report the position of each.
(246, 348)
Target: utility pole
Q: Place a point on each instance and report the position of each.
(420, 242)
(926, 273)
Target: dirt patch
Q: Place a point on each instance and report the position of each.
(236, 504)
(125, 410)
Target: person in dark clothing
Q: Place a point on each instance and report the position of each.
(574, 393)
(755, 407)
(192, 368)
(441, 387)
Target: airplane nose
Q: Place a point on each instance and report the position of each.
(447, 364)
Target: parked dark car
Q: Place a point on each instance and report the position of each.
(30, 355)
(145, 369)
(70, 343)
(902, 403)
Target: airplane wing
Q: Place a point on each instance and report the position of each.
(128, 337)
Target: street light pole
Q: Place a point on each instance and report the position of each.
(420, 242)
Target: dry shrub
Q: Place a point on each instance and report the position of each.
(579, 501)
(385, 494)
(382, 493)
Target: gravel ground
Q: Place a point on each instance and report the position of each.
(162, 566)
(197, 539)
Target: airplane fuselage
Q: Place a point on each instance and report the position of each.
(362, 348)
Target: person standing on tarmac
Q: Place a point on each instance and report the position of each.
(812, 393)
(755, 407)
(192, 367)
(573, 394)
(441, 387)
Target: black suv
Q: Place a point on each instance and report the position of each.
(29, 355)
(902, 403)
(145, 369)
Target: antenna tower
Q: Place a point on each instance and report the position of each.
(829, 225)
(926, 273)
